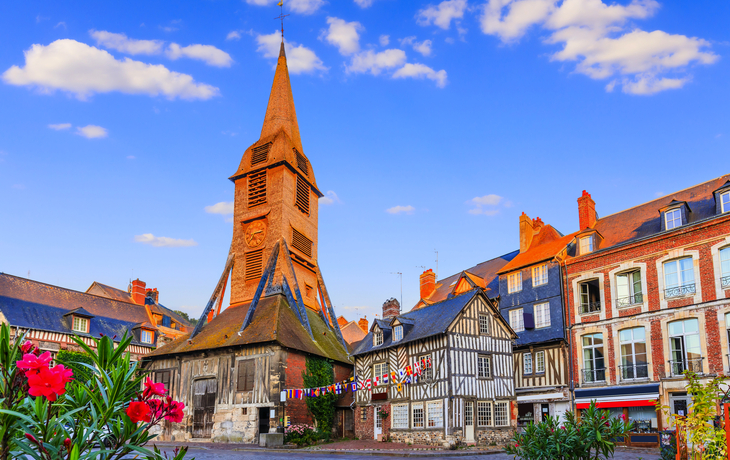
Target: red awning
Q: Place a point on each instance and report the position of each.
(609, 404)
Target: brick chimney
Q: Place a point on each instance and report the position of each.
(154, 295)
(586, 211)
(138, 291)
(527, 231)
(537, 225)
(428, 283)
(363, 323)
(342, 321)
(391, 308)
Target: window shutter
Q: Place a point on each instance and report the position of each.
(301, 243)
(246, 374)
(257, 188)
(302, 198)
(529, 321)
(254, 265)
(260, 154)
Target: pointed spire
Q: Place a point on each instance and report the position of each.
(280, 113)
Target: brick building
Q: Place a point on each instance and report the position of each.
(230, 372)
(647, 298)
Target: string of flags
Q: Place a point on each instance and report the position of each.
(408, 375)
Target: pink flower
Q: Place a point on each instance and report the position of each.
(175, 412)
(138, 411)
(153, 389)
(49, 383)
(157, 407)
(31, 362)
(623, 417)
(26, 347)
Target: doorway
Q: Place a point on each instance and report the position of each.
(469, 421)
(264, 419)
(204, 392)
(545, 411)
(378, 429)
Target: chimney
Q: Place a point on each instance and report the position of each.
(391, 308)
(154, 295)
(138, 291)
(537, 225)
(586, 211)
(428, 283)
(527, 231)
(342, 321)
(363, 323)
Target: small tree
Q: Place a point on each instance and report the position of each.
(319, 373)
(79, 363)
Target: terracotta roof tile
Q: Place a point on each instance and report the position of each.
(546, 245)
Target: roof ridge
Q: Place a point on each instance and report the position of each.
(480, 263)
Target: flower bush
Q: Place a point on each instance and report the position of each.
(301, 435)
(105, 417)
(594, 436)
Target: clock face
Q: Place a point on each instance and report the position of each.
(255, 233)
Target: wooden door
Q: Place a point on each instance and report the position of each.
(204, 393)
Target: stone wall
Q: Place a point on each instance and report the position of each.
(232, 425)
(426, 437)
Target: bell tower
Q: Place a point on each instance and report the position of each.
(276, 198)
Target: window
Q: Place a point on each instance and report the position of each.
(377, 338)
(594, 369)
(145, 336)
(539, 275)
(725, 202)
(428, 371)
(246, 375)
(586, 244)
(484, 413)
(435, 414)
(684, 338)
(257, 188)
(400, 416)
(628, 289)
(679, 277)
(302, 163)
(527, 363)
(260, 154)
(302, 198)
(484, 319)
(397, 333)
(484, 366)
(633, 354)
(542, 315)
(380, 369)
(166, 321)
(417, 415)
(673, 218)
(725, 267)
(254, 261)
(540, 362)
(301, 243)
(501, 414)
(590, 297)
(163, 377)
(514, 282)
(517, 320)
(363, 414)
(81, 324)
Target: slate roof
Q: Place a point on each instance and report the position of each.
(29, 304)
(645, 220)
(273, 321)
(352, 334)
(545, 245)
(486, 271)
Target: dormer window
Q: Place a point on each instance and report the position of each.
(397, 333)
(80, 324)
(145, 336)
(725, 202)
(377, 338)
(586, 244)
(673, 218)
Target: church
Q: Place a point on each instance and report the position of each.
(231, 370)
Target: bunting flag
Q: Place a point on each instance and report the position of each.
(384, 379)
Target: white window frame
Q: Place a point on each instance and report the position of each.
(724, 255)
(400, 411)
(485, 413)
(527, 363)
(145, 333)
(84, 321)
(434, 414)
(676, 218)
(540, 275)
(517, 319)
(540, 362)
(484, 324)
(426, 373)
(501, 409)
(586, 244)
(626, 338)
(418, 407)
(377, 338)
(542, 319)
(380, 369)
(484, 366)
(630, 287)
(681, 280)
(725, 202)
(398, 333)
(514, 282)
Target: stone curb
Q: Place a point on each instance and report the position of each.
(370, 452)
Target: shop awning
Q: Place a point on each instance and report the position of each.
(541, 397)
(609, 404)
(624, 396)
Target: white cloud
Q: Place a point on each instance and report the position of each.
(60, 126)
(83, 70)
(423, 47)
(122, 43)
(224, 207)
(206, 53)
(422, 71)
(442, 14)
(163, 241)
(233, 35)
(297, 6)
(364, 3)
(344, 35)
(329, 198)
(299, 58)
(401, 210)
(595, 36)
(488, 205)
(92, 131)
(384, 40)
(375, 63)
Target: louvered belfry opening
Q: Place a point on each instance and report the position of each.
(301, 243)
(302, 195)
(257, 188)
(254, 265)
(302, 162)
(260, 154)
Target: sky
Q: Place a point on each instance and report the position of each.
(430, 127)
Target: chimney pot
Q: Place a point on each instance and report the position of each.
(391, 308)
(428, 283)
(363, 323)
(138, 291)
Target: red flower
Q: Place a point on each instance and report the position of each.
(153, 389)
(34, 363)
(31, 438)
(67, 444)
(138, 411)
(49, 383)
(623, 417)
(175, 412)
(157, 407)
(26, 347)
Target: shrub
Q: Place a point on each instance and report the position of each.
(79, 363)
(301, 435)
(319, 373)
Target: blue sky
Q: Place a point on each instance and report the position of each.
(430, 126)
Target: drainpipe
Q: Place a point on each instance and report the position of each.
(564, 295)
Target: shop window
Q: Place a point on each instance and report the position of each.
(417, 415)
(725, 266)
(594, 369)
(679, 278)
(435, 414)
(517, 320)
(633, 354)
(628, 289)
(484, 413)
(590, 296)
(501, 414)
(684, 337)
(400, 416)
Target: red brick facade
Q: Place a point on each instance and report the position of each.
(365, 421)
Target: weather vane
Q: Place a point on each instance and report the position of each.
(281, 16)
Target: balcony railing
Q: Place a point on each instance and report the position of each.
(594, 375)
(679, 291)
(725, 282)
(590, 307)
(677, 368)
(630, 300)
(634, 371)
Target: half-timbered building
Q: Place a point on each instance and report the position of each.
(230, 372)
(466, 395)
